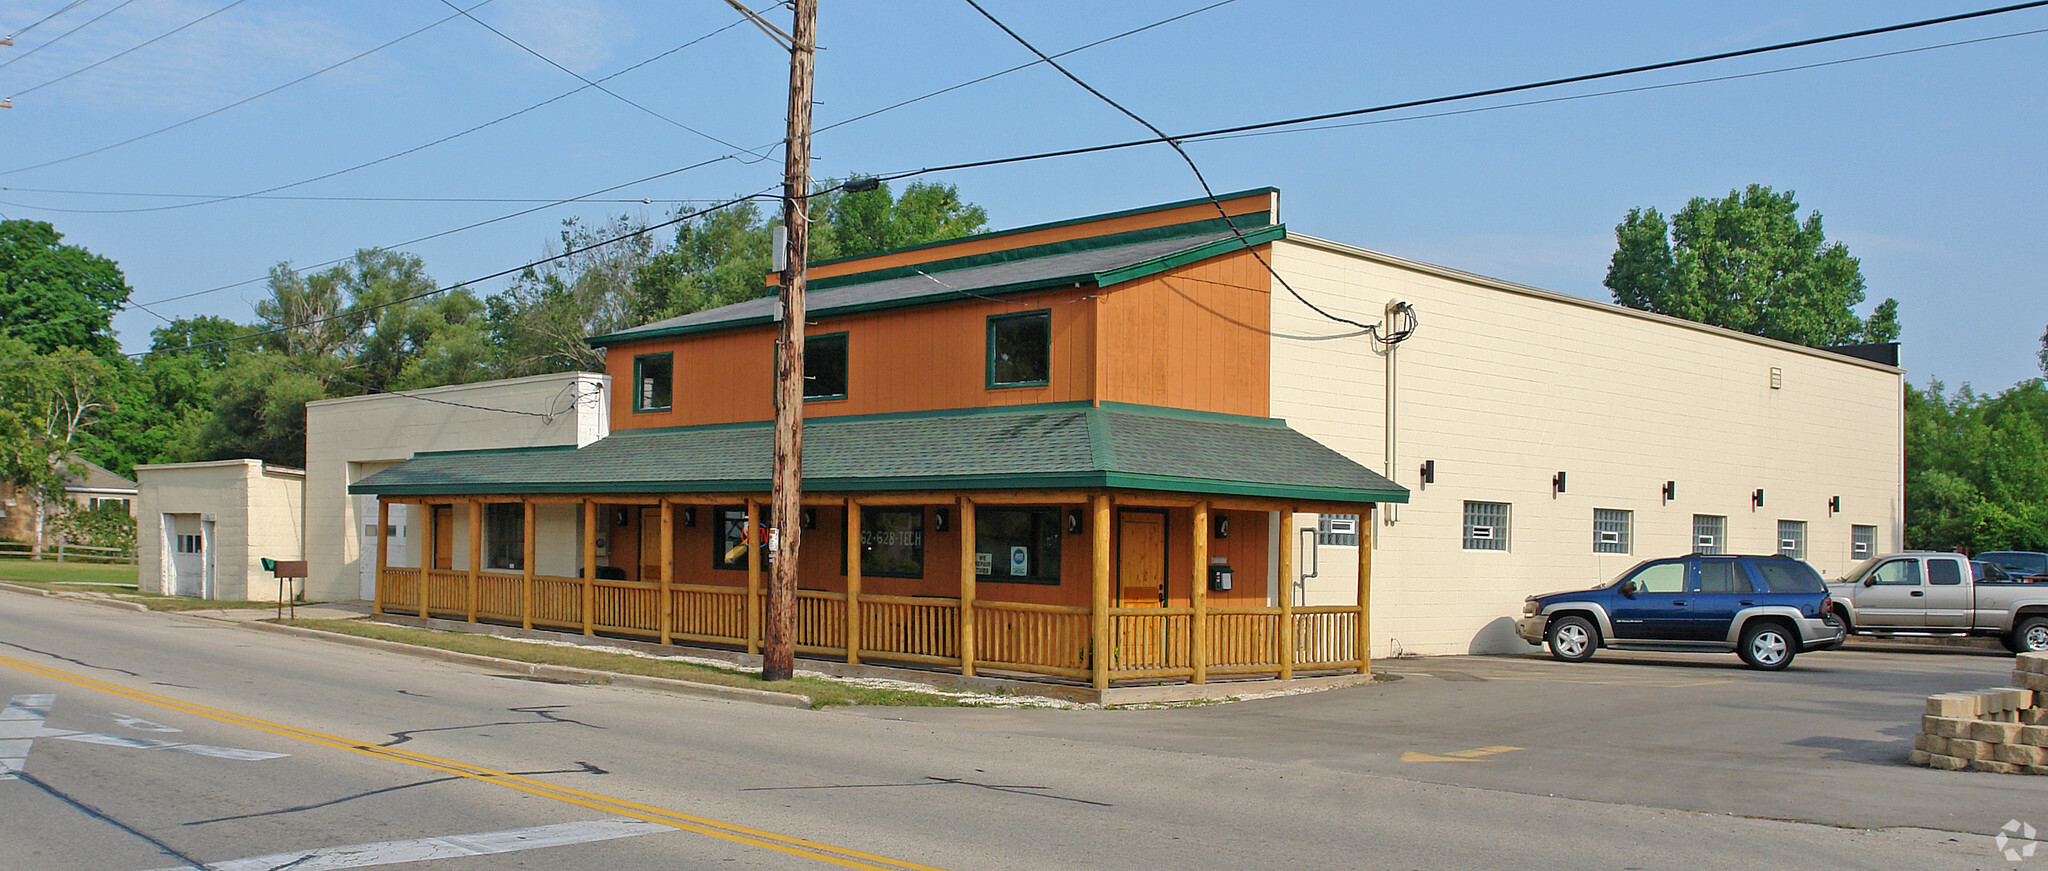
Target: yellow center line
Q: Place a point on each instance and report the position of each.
(701, 825)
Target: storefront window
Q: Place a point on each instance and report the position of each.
(1018, 545)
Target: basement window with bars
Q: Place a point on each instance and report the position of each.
(1610, 530)
(1708, 532)
(1862, 542)
(1486, 526)
(1792, 538)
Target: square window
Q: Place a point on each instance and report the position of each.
(1792, 538)
(504, 535)
(891, 543)
(1708, 533)
(1486, 526)
(1017, 545)
(1020, 350)
(1862, 541)
(1610, 530)
(1338, 529)
(825, 366)
(654, 382)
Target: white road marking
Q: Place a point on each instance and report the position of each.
(22, 722)
(444, 847)
(141, 725)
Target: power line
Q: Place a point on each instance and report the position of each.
(74, 4)
(60, 37)
(126, 51)
(321, 199)
(245, 100)
(1469, 95)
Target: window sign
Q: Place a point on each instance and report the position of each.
(892, 542)
(984, 563)
(1020, 560)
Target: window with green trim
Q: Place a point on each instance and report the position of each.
(654, 382)
(1020, 349)
(825, 366)
(1017, 545)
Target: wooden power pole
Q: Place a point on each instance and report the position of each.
(778, 653)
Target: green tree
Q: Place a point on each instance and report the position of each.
(1976, 467)
(1748, 263)
(47, 401)
(540, 322)
(259, 411)
(374, 323)
(163, 393)
(54, 295)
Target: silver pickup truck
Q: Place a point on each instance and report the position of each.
(1936, 594)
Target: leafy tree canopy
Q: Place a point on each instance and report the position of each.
(1976, 467)
(1748, 263)
(54, 295)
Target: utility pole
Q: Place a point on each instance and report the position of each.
(778, 652)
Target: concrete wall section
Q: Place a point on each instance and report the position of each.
(242, 510)
(1505, 386)
(352, 438)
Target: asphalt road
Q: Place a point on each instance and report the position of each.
(160, 742)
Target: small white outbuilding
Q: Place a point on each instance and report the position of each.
(204, 529)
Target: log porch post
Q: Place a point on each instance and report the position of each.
(754, 547)
(852, 582)
(1099, 609)
(383, 556)
(668, 566)
(1285, 580)
(589, 566)
(476, 552)
(965, 525)
(432, 552)
(526, 564)
(1365, 548)
(1198, 594)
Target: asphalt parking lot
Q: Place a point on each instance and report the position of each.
(1824, 741)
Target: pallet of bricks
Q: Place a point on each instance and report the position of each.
(2003, 730)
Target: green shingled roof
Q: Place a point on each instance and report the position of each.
(1061, 445)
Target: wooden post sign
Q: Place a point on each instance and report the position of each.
(287, 571)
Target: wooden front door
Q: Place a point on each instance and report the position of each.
(1142, 640)
(444, 537)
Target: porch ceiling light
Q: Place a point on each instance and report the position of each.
(1222, 526)
(1073, 521)
(939, 520)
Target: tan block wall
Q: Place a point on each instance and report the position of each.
(352, 438)
(256, 515)
(1504, 386)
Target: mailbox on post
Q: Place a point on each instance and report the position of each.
(287, 572)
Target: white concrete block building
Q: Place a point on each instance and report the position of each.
(204, 529)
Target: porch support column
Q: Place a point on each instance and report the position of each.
(476, 552)
(668, 567)
(526, 535)
(964, 523)
(1367, 538)
(1284, 579)
(755, 542)
(432, 550)
(852, 582)
(1099, 609)
(589, 566)
(1198, 595)
(383, 556)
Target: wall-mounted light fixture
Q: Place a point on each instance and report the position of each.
(940, 520)
(1557, 483)
(1670, 491)
(1073, 521)
(620, 517)
(1428, 471)
(1756, 500)
(1222, 526)
(808, 518)
(689, 515)
(1834, 505)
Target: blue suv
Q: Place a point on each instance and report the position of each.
(1765, 608)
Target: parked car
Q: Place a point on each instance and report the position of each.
(1991, 573)
(1938, 594)
(1765, 608)
(2026, 565)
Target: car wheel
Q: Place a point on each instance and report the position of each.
(1767, 645)
(2031, 636)
(1573, 639)
(1842, 617)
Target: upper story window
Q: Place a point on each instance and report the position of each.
(825, 366)
(654, 382)
(1020, 349)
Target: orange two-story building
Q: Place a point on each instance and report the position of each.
(1043, 451)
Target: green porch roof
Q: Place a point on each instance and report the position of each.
(1060, 445)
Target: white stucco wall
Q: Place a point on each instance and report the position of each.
(352, 438)
(256, 511)
(1505, 386)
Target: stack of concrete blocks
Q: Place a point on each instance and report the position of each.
(2003, 730)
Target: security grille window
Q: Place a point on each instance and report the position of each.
(1019, 545)
(1708, 533)
(892, 542)
(504, 535)
(1338, 529)
(1020, 350)
(1486, 526)
(825, 366)
(1610, 530)
(1862, 541)
(654, 382)
(1792, 538)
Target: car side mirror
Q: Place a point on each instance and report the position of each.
(1628, 588)
(1870, 581)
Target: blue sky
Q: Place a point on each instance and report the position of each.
(1928, 164)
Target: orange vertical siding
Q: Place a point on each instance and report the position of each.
(1197, 337)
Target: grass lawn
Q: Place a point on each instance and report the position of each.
(822, 693)
(50, 572)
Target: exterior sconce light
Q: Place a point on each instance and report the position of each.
(1222, 526)
(1670, 491)
(808, 518)
(1834, 505)
(689, 515)
(1557, 483)
(1073, 521)
(1756, 500)
(1428, 472)
(939, 520)
(620, 517)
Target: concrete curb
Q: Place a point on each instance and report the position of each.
(116, 604)
(549, 672)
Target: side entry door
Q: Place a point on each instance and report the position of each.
(1724, 588)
